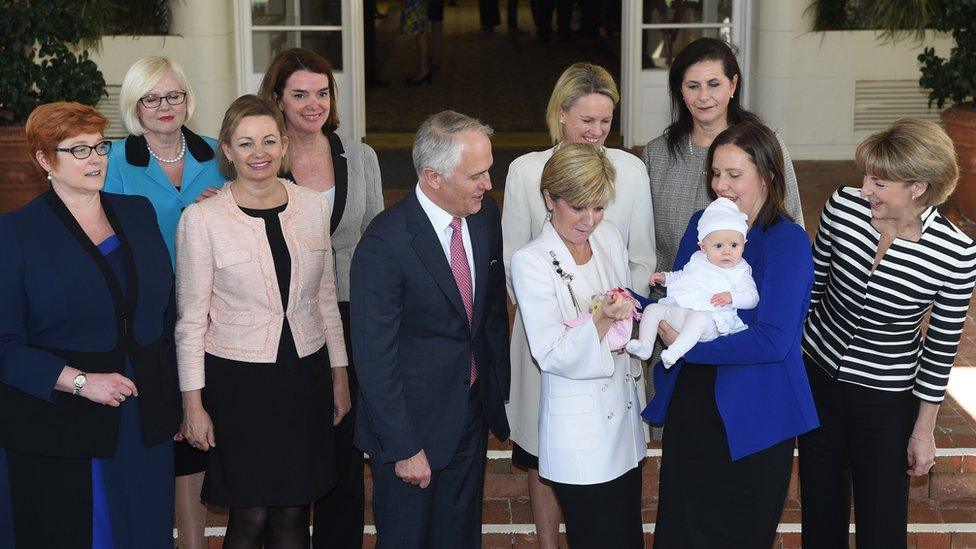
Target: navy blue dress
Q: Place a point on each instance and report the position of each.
(134, 504)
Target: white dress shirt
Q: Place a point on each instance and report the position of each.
(441, 221)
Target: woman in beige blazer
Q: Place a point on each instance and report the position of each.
(580, 111)
(258, 328)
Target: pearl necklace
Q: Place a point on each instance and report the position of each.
(173, 160)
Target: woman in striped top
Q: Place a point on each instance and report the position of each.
(884, 258)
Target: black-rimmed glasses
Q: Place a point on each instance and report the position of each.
(172, 98)
(82, 152)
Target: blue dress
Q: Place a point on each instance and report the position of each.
(132, 507)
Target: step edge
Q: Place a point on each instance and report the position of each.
(782, 528)
(656, 452)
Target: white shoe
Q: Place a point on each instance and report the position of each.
(639, 349)
(668, 358)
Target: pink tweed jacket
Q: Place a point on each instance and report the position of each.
(227, 294)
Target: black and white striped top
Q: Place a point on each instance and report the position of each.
(864, 327)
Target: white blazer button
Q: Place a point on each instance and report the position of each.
(610, 415)
(604, 388)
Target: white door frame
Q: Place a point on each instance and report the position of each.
(350, 81)
(645, 91)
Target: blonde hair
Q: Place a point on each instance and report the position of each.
(241, 108)
(143, 76)
(911, 150)
(576, 81)
(580, 174)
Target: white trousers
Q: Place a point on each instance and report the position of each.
(692, 327)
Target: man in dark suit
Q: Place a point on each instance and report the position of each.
(429, 326)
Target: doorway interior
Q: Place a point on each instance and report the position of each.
(503, 77)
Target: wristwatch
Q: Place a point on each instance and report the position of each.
(80, 381)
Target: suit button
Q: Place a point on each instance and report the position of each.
(604, 388)
(610, 415)
(630, 404)
(627, 377)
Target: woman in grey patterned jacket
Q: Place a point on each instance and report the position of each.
(705, 86)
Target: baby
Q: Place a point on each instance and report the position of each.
(703, 297)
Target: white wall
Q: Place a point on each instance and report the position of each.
(202, 43)
(803, 82)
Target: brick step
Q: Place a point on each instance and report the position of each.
(951, 536)
(942, 506)
(946, 497)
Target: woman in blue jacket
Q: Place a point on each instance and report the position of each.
(173, 167)
(734, 406)
(161, 158)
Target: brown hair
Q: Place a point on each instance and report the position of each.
(241, 108)
(760, 143)
(52, 123)
(911, 150)
(291, 61)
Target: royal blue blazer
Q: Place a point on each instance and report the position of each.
(131, 170)
(761, 386)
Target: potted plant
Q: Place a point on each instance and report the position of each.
(952, 79)
(43, 58)
(955, 79)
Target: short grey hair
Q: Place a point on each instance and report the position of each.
(436, 145)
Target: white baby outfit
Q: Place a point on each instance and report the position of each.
(687, 306)
(693, 287)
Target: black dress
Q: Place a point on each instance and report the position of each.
(707, 500)
(272, 422)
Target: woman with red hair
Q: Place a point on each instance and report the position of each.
(87, 371)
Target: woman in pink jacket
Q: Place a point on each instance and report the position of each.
(257, 331)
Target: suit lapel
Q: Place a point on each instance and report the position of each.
(479, 247)
(428, 248)
(155, 172)
(341, 176)
(191, 169)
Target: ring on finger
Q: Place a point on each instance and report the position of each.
(121, 398)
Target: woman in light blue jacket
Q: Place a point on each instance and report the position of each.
(161, 158)
(173, 167)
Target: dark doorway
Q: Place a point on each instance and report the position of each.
(504, 78)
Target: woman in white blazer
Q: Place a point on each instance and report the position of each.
(591, 437)
(580, 111)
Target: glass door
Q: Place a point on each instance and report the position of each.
(654, 32)
(333, 28)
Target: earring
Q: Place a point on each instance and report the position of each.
(914, 197)
(549, 215)
(50, 177)
(732, 96)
